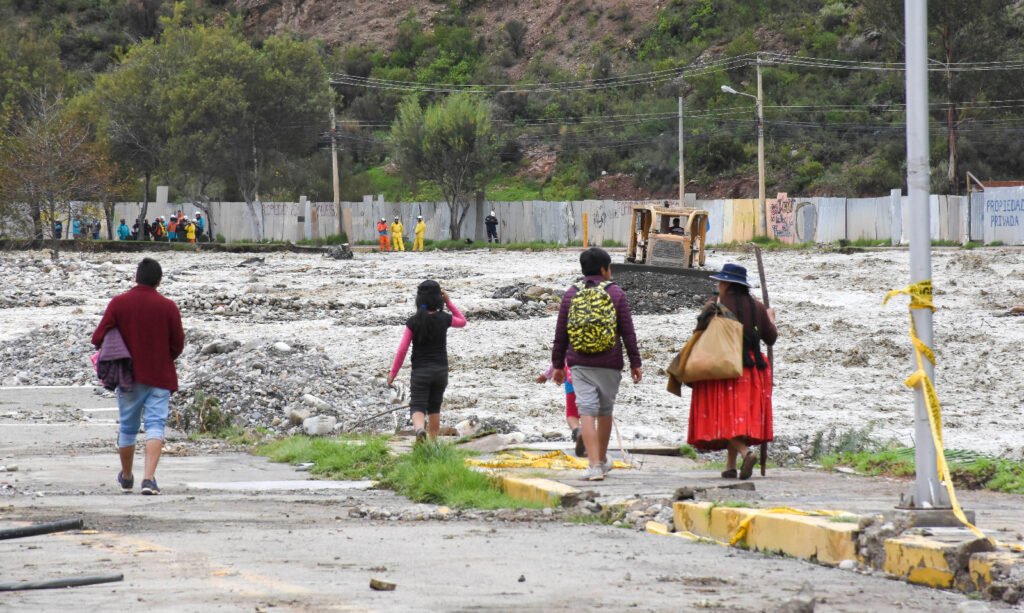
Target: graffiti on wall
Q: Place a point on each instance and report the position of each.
(782, 218)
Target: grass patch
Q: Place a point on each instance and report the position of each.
(888, 462)
(686, 451)
(611, 242)
(437, 473)
(945, 243)
(333, 239)
(972, 245)
(996, 244)
(998, 475)
(844, 519)
(350, 457)
(868, 242)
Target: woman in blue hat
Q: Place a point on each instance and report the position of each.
(736, 414)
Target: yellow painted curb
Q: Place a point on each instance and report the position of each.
(808, 538)
(919, 560)
(544, 491)
(992, 567)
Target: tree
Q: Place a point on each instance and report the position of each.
(206, 106)
(50, 161)
(450, 144)
(959, 31)
(516, 32)
(127, 105)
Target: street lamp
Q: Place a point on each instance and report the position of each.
(762, 223)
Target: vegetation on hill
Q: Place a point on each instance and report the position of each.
(582, 94)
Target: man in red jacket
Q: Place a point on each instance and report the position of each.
(151, 328)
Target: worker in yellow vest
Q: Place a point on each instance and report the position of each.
(420, 230)
(396, 235)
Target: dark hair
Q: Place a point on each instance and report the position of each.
(149, 272)
(751, 335)
(428, 299)
(593, 260)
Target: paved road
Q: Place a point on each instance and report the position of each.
(221, 548)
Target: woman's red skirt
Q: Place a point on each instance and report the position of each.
(731, 408)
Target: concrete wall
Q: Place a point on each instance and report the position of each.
(1003, 215)
(792, 219)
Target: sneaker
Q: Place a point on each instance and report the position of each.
(606, 466)
(126, 484)
(150, 488)
(594, 473)
(577, 436)
(421, 437)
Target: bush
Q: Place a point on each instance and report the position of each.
(515, 30)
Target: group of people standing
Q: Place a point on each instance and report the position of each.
(81, 228)
(176, 229)
(396, 240)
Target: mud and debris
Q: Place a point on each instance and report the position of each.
(840, 361)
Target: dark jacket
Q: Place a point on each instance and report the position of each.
(114, 364)
(562, 354)
(151, 327)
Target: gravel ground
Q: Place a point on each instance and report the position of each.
(298, 332)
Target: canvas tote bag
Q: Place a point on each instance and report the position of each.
(718, 352)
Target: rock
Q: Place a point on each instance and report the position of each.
(973, 606)
(803, 602)
(319, 425)
(219, 346)
(1017, 310)
(298, 416)
(10, 468)
(468, 427)
(534, 292)
(522, 578)
(382, 586)
(848, 565)
(553, 435)
(316, 403)
(281, 348)
(515, 438)
(794, 449)
(846, 470)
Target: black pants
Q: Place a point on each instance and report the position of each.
(427, 385)
(492, 233)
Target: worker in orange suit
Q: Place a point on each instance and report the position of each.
(382, 231)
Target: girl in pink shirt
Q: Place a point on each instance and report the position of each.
(427, 332)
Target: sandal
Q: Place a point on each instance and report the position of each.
(749, 461)
(729, 473)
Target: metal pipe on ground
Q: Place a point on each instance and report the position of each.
(49, 584)
(37, 529)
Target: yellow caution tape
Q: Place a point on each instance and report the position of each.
(921, 298)
(741, 530)
(553, 460)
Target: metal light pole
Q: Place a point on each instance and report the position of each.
(682, 165)
(927, 491)
(762, 224)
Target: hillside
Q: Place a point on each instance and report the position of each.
(830, 128)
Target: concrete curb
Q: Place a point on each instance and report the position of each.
(944, 558)
(817, 539)
(544, 491)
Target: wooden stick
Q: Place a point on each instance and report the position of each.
(771, 357)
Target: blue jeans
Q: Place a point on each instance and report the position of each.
(144, 402)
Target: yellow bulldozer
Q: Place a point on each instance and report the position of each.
(667, 236)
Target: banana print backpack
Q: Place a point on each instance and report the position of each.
(592, 319)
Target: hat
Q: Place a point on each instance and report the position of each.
(419, 217)
(492, 212)
(396, 217)
(732, 273)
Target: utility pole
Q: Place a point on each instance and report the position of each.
(763, 223)
(334, 170)
(682, 164)
(927, 491)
